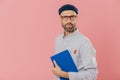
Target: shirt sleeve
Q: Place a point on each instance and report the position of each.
(88, 59)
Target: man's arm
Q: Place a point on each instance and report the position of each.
(88, 61)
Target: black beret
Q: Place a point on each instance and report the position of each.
(67, 7)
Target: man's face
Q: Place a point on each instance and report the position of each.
(68, 20)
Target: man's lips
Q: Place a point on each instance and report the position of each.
(68, 25)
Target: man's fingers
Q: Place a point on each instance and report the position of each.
(55, 63)
(53, 69)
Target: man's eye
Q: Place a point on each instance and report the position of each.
(72, 16)
(65, 17)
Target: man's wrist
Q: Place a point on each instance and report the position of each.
(64, 74)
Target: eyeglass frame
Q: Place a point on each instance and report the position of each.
(72, 17)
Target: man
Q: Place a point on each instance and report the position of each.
(80, 48)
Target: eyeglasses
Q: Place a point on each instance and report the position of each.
(72, 17)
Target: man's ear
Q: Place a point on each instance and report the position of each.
(60, 17)
(77, 18)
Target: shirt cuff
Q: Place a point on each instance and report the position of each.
(76, 76)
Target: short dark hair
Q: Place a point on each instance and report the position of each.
(67, 7)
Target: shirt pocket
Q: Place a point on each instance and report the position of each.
(75, 54)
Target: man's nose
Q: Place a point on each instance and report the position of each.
(69, 20)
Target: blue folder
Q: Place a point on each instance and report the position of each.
(65, 62)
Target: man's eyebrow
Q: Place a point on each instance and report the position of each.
(69, 15)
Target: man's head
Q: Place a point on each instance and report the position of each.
(68, 14)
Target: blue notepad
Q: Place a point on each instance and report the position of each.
(65, 61)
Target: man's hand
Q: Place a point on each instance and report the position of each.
(58, 72)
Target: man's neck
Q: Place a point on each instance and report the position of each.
(67, 33)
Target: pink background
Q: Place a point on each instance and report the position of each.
(28, 29)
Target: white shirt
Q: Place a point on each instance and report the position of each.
(82, 52)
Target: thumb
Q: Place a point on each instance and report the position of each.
(55, 63)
